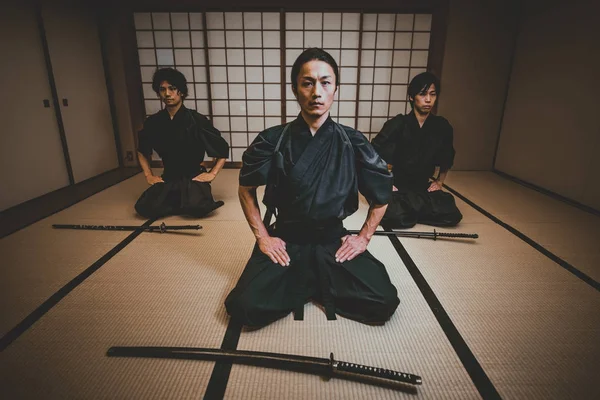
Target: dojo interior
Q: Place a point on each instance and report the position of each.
(514, 314)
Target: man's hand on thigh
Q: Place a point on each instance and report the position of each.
(274, 247)
(351, 247)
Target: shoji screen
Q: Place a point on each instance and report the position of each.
(394, 49)
(245, 72)
(338, 34)
(236, 76)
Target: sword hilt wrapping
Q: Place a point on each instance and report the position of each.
(375, 372)
(457, 235)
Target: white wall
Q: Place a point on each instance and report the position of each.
(479, 43)
(30, 149)
(550, 134)
(75, 52)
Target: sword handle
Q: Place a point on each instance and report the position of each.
(165, 228)
(457, 235)
(375, 372)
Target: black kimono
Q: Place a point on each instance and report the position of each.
(312, 184)
(181, 142)
(414, 153)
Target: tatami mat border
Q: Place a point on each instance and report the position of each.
(578, 273)
(480, 379)
(217, 385)
(47, 305)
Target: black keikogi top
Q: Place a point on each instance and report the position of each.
(181, 142)
(317, 178)
(415, 151)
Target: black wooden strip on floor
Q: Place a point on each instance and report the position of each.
(478, 376)
(581, 275)
(220, 375)
(39, 312)
(547, 192)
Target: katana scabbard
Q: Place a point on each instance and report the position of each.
(425, 235)
(310, 365)
(152, 228)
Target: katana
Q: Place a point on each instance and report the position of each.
(326, 367)
(160, 228)
(429, 235)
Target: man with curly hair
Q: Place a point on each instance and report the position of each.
(181, 137)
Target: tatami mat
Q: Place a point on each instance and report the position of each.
(38, 260)
(162, 289)
(113, 205)
(412, 341)
(568, 232)
(531, 324)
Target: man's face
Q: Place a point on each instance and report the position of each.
(316, 88)
(169, 94)
(424, 102)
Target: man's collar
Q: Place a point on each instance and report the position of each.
(413, 117)
(180, 112)
(301, 123)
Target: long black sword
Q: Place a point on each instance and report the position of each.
(429, 235)
(327, 367)
(160, 228)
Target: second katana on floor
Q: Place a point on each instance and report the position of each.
(152, 228)
(427, 235)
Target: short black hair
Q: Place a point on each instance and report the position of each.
(313, 53)
(420, 85)
(172, 76)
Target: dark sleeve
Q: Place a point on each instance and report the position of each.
(374, 179)
(385, 141)
(256, 160)
(446, 153)
(145, 139)
(213, 142)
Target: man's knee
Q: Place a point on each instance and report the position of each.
(379, 312)
(153, 202)
(199, 211)
(244, 309)
(388, 304)
(148, 210)
(400, 222)
(454, 219)
(376, 308)
(449, 219)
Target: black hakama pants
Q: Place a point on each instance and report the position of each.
(359, 289)
(177, 197)
(409, 207)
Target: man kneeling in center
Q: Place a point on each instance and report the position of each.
(313, 169)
